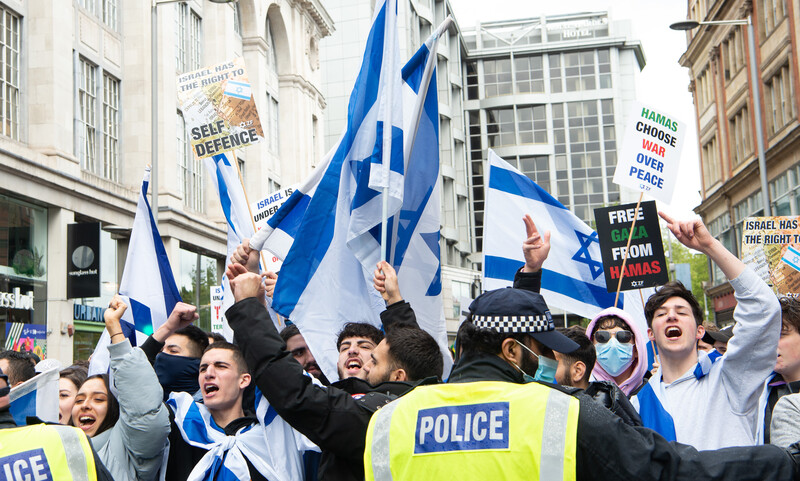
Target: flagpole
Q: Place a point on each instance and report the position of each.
(247, 201)
(389, 35)
(627, 248)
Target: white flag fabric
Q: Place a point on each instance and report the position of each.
(147, 287)
(572, 275)
(37, 397)
(333, 220)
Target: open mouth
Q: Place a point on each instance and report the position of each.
(673, 332)
(86, 421)
(209, 389)
(353, 365)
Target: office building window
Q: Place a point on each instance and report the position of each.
(197, 274)
(86, 115)
(497, 77)
(711, 166)
(739, 127)
(537, 169)
(110, 127)
(579, 71)
(721, 228)
(604, 68)
(784, 192)
(779, 100)
(532, 124)
(703, 89)
(237, 20)
(9, 75)
(110, 13)
(190, 169)
(555, 73)
(733, 53)
(772, 13)
(500, 127)
(529, 74)
(472, 80)
(749, 207)
(274, 117)
(188, 38)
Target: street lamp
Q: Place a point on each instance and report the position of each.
(154, 97)
(754, 80)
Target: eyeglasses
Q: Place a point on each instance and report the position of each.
(605, 336)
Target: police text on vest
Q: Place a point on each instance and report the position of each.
(462, 428)
(28, 466)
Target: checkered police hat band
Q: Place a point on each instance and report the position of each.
(541, 323)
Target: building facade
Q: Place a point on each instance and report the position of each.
(76, 136)
(719, 63)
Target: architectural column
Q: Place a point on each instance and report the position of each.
(59, 308)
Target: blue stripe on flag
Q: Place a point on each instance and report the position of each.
(22, 407)
(411, 72)
(500, 267)
(578, 290)
(171, 294)
(195, 426)
(142, 317)
(224, 197)
(513, 183)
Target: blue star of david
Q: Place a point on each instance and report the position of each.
(583, 255)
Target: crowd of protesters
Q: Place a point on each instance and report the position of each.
(578, 403)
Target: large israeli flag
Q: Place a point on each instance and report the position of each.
(326, 278)
(147, 287)
(572, 275)
(37, 397)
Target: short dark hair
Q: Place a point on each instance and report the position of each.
(76, 374)
(666, 292)
(216, 337)
(290, 331)
(238, 357)
(198, 340)
(790, 312)
(359, 329)
(112, 413)
(472, 339)
(606, 322)
(20, 367)
(416, 352)
(585, 352)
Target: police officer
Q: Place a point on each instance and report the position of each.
(499, 417)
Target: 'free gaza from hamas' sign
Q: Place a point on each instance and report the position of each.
(646, 265)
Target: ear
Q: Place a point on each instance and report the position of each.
(398, 375)
(577, 371)
(244, 380)
(651, 334)
(509, 350)
(701, 330)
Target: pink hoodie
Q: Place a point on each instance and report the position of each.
(640, 338)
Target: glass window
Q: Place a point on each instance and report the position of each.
(779, 100)
(190, 169)
(9, 75)
(86, 115)
(188, 38)
(711, 164)
(532, 124)
(198, 274)
(110, 127)
(500, 127)
(749, 207)
(497, 77)
(472, 80)
(579, 71)
(237, 20)
(555, 73)
(771, 15)
(110, 13)
(529, 74)
(739, 126)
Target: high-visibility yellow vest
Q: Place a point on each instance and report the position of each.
(479, 430)
(46, 452)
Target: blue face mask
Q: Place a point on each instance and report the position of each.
(613, 356)
(546, 372)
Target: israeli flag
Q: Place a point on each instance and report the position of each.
(37, 397)
(572, 275)
(224, 175)
(240, 90)
(335, 216)
(147, 287)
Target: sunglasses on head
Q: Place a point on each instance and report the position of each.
(605, 336)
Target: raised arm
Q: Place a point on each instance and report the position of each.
(398, 312)
(181, 316)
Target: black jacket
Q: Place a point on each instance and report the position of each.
(610, 449)
(334, 418)
(183, 456)
(612, 398)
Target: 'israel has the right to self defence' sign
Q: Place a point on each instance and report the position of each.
(650, 153)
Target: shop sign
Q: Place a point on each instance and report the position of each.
(27, 338)
(16, 300)
(83, 260)
(82, 312)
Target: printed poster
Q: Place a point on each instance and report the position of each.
(771, 246)
(27, 338)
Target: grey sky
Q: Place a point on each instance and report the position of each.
(662, 84)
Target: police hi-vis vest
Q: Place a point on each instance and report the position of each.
(477, 430)
(46, 453)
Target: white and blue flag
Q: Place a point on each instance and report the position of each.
(329, 230)
(572, 275)
(239, 90)
(147, 287)
(36, 397)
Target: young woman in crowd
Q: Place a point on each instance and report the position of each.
(621, 349)
(128, 431)
(70, 380)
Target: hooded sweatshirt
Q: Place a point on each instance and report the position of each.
(640, 344)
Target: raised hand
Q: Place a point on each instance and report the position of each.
(112, 316)
(247, 284)
(691, 233)
(384, 279)
(536, 247)
(270, 279)
(246, 256)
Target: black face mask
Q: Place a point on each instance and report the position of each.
(177, 373)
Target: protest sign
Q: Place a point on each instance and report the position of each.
(27, 338)
(771, 246)
(216, 309)
(646, 265)
(651, 150)
(262, 211)
(218, 109)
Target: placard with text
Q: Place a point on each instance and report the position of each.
(771, 246)
(646, 265)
